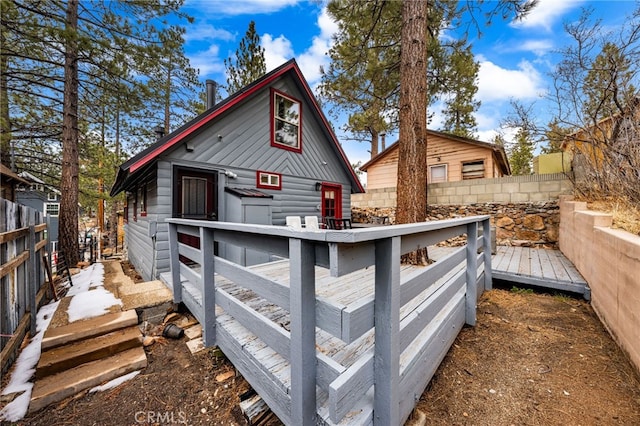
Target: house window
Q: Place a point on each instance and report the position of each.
(285, 125)
(268, 180)
(51, 196)
(52, 209)
(438, 173)
(473, 170)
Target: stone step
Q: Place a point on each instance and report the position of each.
(85, 329)
(55, 388)
(68, 356)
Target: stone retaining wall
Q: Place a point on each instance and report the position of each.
(521, 224)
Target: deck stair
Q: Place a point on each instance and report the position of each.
(84, 354)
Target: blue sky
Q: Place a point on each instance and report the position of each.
(515, 57)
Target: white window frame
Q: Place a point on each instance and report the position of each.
(272, 181)
(446, 173)
(46, 209)
(52, 196)
(275, 119)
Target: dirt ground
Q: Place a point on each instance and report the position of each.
(532, 359)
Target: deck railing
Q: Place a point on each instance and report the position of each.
(412, 317)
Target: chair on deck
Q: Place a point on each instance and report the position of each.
(295, 222)
(311, 223)
(338, 224)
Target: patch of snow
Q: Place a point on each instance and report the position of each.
(92, 303)
(25, 367)
(90, 299)
(115, 382)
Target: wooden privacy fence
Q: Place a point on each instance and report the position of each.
(338, 331)
(22, 275)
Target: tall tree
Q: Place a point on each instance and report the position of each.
(64, 63)
(68, 231)
(249, 63)
(460, 103)
(412, 156)
(555, 135)
(521, 154)
(363, 78)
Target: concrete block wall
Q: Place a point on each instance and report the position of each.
(609, 259)
(509, 189)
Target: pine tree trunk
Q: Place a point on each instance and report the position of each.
(412, 161)
(68, 231)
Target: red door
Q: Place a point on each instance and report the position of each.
(195, 199)
(331, 200)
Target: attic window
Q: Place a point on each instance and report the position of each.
(268, 180)
(286, 119)
(51, 196)
(473, 170)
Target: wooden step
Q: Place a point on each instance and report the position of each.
(55, 388)
(84, 329)
(69, 356)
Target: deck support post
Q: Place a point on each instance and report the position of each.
(471, 296)
(174, 261)
(487, 239)
(207, 277)
(386, 409)
(302, 289)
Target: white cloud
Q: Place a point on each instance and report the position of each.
(280, 49)
(239, 7)
(546, 13)
(208, 61)
(538, 47)
(276, 50)
(205, 31)
(500, 84)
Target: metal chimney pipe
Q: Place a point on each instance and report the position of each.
(383, 137)
(212, 87)
(159, 131)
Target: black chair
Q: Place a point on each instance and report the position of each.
(338, 224)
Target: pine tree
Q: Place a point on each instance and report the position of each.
(65, 64)
(521, 154)
(555, 135)
(460, 104)
(249, 64)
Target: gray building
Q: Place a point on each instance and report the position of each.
(43, 198)
(263, 153)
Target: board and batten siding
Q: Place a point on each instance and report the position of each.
(384, 173)
(239, 141)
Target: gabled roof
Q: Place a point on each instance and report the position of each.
(129, 172)
(501, 155)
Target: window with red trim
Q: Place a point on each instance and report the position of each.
(268, 180)
(143, 201)
(286, 122)
(135, 206)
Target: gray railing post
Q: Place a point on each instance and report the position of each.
(174, 259)
(487, 244)
(471, 295)
(386, 409)
(302, 288)
(32, 277)
(208, 286)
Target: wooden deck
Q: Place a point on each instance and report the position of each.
(340, 284)
(538, 267)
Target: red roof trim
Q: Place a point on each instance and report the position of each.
(170, 143)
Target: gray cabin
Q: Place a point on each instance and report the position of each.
(44, 198)
(262, 154)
